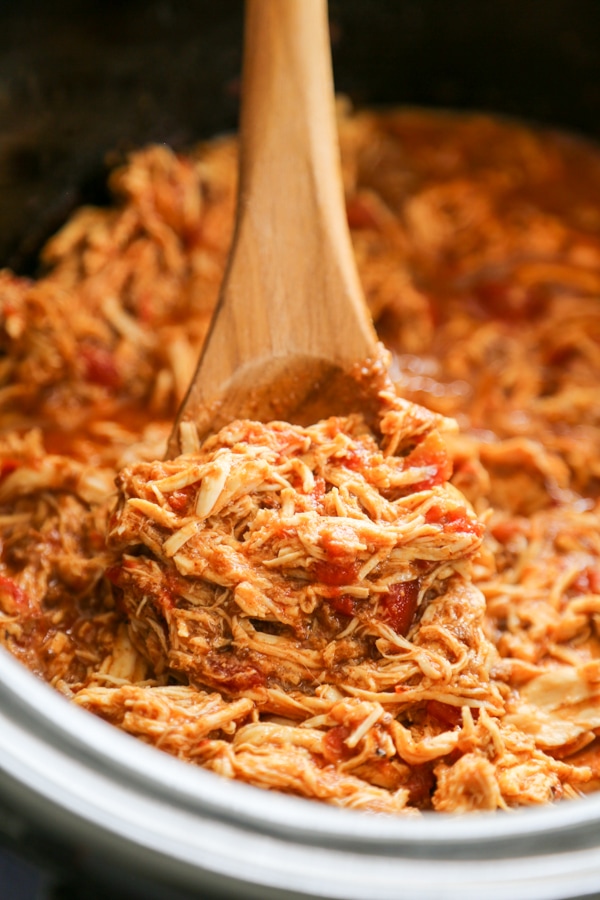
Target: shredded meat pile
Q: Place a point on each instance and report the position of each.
(284, 558)
(393, 617)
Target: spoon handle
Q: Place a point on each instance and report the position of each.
(290, 180)
(291, 288)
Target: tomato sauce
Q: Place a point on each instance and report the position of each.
(453, 520)
(336, 574)
(334, 747)
(431, 453)
(400, 605)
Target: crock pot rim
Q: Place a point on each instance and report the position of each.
(40, 709)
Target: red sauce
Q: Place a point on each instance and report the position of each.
(562, 356)
(343, 604)
(167, 599)
(444, 713)
(334, 747)
(7, 466)
(431, 452)
(400, 605)
(420, 784)
(170, 593)
(503, 299)
(113, 573)
(508, 529)
(356, 458)
(336, 574)
(179, 500)
(19, 598)
(453, 520)
(359, 215)
(319, 489)
(99, 366)
(233, 675)
(588, 580)
(33, 647)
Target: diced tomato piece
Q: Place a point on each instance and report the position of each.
(319, 489)
(444, 713)
(431, 453)
(99, 366)
(336, 574)
(588, 580)
(360, 212)
(179, 500)
(504, 299)
(356, 457)
(7, 466)
(232, 674)
(507, 529)
(343, 604)
(243, 681)
(400, 605)
(14, 592)
(454, 520)
(116, 574)
(334, 747)
(113, 573)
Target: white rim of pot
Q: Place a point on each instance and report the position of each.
(33, 702)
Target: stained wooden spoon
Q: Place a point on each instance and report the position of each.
(291, 321)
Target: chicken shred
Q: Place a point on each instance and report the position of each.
(392, 617)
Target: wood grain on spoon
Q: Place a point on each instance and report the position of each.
(291, 320)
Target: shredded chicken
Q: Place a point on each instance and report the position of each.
(391, 617)
(280, 559)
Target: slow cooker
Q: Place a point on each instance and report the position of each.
(81, 802)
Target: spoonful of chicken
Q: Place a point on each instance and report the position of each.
(291, 323)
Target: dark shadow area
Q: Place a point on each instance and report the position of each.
(81, 81)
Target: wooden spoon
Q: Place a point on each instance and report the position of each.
(291, 321)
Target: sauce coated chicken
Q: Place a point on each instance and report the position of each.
(393, 616)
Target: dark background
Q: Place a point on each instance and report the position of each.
(82, 82)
